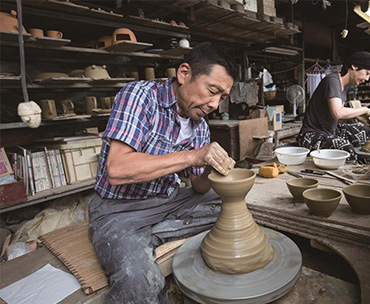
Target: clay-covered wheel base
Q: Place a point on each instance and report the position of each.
(204, 285)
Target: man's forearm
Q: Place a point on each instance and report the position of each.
(136, 167)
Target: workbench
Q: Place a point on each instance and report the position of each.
(345, 232)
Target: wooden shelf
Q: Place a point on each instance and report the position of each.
(89, 51)
(22, 125)
(51, 194)
(229, 25)
(91, 14)
(155, 24)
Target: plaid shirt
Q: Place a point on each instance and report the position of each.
(145, 117)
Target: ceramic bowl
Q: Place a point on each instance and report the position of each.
(296, 187)
(322, 201)
(329, 158)
(358, 197)
(238, 182)
(291, 155)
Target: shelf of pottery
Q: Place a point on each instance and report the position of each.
(72, 80)
(49, 53)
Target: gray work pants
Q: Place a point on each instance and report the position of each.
(126, 232)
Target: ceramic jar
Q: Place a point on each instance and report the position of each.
(235, 244)
(9, 22)
(96, 72)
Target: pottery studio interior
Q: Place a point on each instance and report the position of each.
(241, 168)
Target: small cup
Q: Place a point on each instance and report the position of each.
(54, 34)
(149, 74)
(36, 33)
(135, 75)
(67, 106)
(171, 72)
(49, 109)
(91, 104)
(105, 102)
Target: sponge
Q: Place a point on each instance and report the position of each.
(269, 171)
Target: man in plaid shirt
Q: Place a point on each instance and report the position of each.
(156, 130)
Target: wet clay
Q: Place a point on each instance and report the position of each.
(235, 244)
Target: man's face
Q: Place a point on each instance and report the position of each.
(360, 76)
(203, 95)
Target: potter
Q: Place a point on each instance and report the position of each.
(155, 130)
(321, 128)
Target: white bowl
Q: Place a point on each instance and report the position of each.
(291, 155)
(329, 158)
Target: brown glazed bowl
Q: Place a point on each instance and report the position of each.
(322, 201)
(296, 187)
(358, 197)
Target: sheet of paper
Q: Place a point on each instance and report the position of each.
(48, 285)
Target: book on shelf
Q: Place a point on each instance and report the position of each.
(39, 167)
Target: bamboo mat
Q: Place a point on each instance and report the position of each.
(73, 247)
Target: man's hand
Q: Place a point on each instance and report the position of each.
(215, 156)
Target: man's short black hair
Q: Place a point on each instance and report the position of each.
(205, 55)
(360, 60)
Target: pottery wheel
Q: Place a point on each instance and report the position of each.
(204, 285)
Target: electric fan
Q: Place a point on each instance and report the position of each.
(295, 94)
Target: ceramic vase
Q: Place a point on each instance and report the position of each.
(235, 244)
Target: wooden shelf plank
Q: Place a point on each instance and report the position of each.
(77, 49)
(155, 24)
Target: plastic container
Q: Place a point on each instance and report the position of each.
(329, 158)
(80, 159)
(292, 155)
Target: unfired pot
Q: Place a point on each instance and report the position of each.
(9, 22)
(235, 244)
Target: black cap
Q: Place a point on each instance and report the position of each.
(360, 60)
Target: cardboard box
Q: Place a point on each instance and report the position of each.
(5, 167)
(277, 119)
(13, 193)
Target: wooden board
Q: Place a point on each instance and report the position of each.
(111, 80)
(12, 36)
(51, 41)
(62, 80)
(179, 51)
(155, 23)
(247, 129)
(77, 8)
(128, 46)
